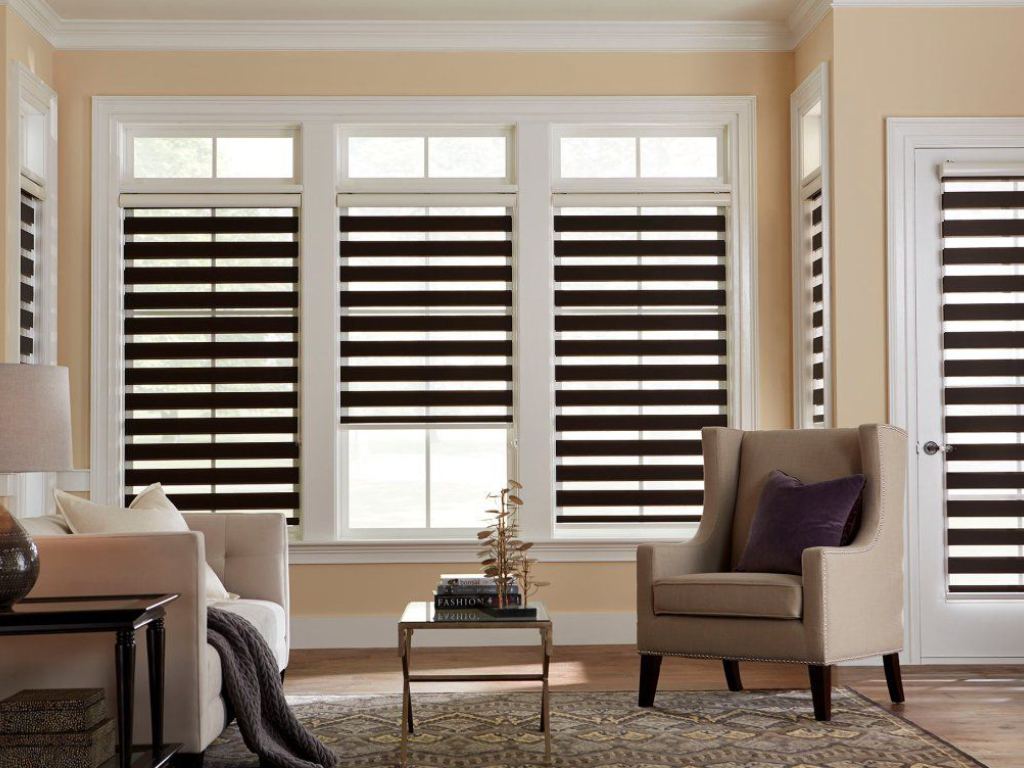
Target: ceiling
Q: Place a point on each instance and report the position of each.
(437, 10)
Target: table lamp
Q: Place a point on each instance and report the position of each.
(35, 436)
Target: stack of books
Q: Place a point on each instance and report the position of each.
(462, 591)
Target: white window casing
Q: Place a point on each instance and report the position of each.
(318, 125)
(811, 202)
(31, 289)
(32, 170)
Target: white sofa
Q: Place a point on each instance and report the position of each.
(248, 551)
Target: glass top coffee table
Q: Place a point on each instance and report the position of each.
(423, 615)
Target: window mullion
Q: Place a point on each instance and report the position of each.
(319, 332)
(534, 292)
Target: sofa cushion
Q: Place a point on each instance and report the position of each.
(750, 595)
(150, 512)
(46, 525)
(267, 617)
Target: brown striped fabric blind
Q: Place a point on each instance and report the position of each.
(27, 287)
(211, 323)
(817, 320)
(426, 315)
(983, 365)
(640, 346)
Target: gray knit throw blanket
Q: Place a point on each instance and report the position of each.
(252, 685)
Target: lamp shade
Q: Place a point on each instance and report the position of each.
(35, 418)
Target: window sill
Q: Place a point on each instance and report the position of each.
(618, 550)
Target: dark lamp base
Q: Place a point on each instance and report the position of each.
(19, 561)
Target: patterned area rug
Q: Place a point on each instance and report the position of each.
(691, 729)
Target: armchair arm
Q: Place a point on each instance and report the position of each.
(105, 564)
(853, 596)
(249, 551)
(708, 550)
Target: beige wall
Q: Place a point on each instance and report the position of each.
(815, 48)
(337, 589)
(327, 590)
(26, 45)
(898, 62)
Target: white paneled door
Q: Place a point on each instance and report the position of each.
(968, 323)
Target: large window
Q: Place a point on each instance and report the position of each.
(640, 348)
(426, 350)
(812, 375)
(641, 353)
(983, 348)
(31, 265)
(211, 355)
(32, 190)
(210, 329)
(368, 314)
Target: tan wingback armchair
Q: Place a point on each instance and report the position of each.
(848, 604)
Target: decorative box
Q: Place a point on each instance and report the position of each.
(60, 710)
(87, 749)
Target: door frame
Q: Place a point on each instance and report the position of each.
(904, 136)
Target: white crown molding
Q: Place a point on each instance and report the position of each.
(444, 36)
(805, 17)
(624, 36)
(422, 35)
(39, 15)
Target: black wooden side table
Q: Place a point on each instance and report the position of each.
(123, 615)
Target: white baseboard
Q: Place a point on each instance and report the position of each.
(372, 631)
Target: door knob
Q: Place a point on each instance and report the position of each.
(931, 448)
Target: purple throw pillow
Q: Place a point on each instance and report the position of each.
(792, 516)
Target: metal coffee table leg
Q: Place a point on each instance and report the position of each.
(404, 643)
(545, 718)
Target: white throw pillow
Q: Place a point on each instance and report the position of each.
(150, 512)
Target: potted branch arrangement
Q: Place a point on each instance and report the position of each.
(506, 558)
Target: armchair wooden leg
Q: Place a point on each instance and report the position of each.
(821, 690)
(650, 668)
(732, 674)
(893, 677)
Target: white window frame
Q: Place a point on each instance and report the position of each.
(812, 91)
(718, 183)
(498, 185)
(319, 123)
(441, 198)
(186, 129)
(683, 191)
(28, 95)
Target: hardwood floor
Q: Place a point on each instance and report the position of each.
(977, 708)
